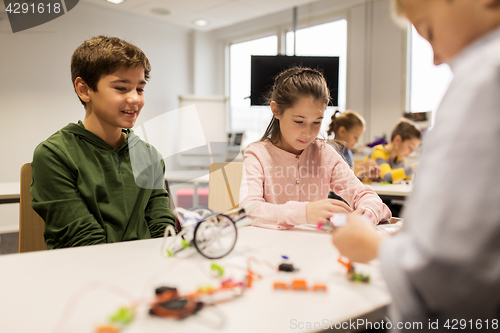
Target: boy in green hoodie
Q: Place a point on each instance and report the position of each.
(97, 182)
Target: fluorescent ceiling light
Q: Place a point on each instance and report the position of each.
(200, 22)
(116, 2)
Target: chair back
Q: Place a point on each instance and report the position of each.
(31, 225)
(224, 186)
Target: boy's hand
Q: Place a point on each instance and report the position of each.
(358, 240)
(367, 169)
(322, 210)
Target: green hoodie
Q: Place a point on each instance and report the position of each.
(90, 193)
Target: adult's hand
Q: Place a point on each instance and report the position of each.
(358, 240)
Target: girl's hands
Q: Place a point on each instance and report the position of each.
(358, 240)
(321, 211)
(368, 213)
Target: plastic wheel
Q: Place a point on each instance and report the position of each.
(215, 236)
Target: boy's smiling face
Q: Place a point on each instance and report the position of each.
(448, 25)
(119, 98)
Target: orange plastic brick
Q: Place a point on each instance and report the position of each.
(280, 285)
(107, 329)
(319, 287)
(299, 285)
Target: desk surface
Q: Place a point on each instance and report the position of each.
(9, 207)
(187, 176)
(72, 290)
(9, 191)
(396, 190)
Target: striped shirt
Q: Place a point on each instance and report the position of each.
(391, 170)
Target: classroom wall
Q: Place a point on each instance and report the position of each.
(376, 67)
(36, 93)
(208, 72)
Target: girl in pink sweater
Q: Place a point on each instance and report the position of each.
(289, 172)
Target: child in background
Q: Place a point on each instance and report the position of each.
(96, 181)
(347, 128)
(290, 172)
(405, 138)
(443, 267)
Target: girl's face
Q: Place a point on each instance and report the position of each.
(349, 137)
(299, 124)
(406, 147)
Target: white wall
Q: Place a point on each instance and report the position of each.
(208, 73)
(376, 73)
(36, 94)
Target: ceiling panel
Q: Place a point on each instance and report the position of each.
(232, 11)
(219, 13)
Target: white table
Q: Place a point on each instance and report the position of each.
(187, 176)
(9, 192)
(392, 191)
(72, 290)
(9, 207)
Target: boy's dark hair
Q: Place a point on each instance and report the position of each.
(289, 86)
(407, 130)
(103, 55)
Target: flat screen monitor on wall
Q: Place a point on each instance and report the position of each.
(265, 68)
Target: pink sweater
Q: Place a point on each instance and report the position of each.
(282, 184)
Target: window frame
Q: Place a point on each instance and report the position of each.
(280, 31)
(409, 77)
